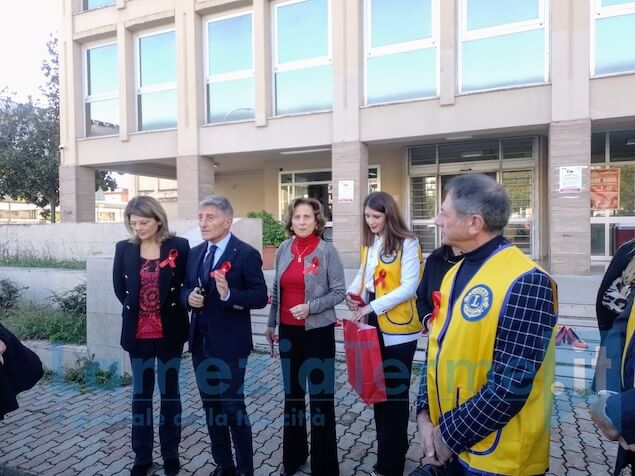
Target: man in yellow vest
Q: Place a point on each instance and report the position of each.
(485, 399)
(614, 410)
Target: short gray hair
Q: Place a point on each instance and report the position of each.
(479, 194)
(220, 202)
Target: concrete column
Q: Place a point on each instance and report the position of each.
(348, 69)
(448, 48)
(262, 61)
(570, 53)
(350, 163)
(195, 180)
(569, 229)
(189, 77)
(127, 89)
(71, 110)
(77, 194)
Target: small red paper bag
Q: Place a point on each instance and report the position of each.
(363, 360)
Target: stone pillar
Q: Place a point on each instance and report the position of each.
(350, 163)
(195, 180)
(448, 46)
(262, 59)
(569, 229)
(77, 194)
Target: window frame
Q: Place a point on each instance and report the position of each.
(91, 98)
(86, 9)
(297, 65)
(465, 35)
(224, 77)
(155, 88)
(403, 47)
(599, 12)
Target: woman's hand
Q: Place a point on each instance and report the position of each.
(361, 314)
(3, 347)
(270, 335)
(301, 311)
(351, 303)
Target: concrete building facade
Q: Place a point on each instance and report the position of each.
(265, 100)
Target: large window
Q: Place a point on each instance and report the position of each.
(302, 56)
(156, 81)
(510, 161)
(101, 92)
(401, 50)
(92, 4)
(613, 37)
(503, 44)
(230, 68)
(316, 184)
(612, 190)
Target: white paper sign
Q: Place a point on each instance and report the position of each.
(345, 191)
(570, 179)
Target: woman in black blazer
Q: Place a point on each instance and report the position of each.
(148, 273)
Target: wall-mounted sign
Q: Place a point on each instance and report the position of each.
(605, 189)
(570, 180)
(345, 191)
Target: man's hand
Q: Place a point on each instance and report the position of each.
(603, 423)
(426, 429)
(221, 285)
(270, 335)
(442, 450)
(3, 347)
(196, 299)
(625, 445)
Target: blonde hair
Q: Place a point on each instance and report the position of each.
(146, 207)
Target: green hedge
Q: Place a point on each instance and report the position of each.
(46, 323)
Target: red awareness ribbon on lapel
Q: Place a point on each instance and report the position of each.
(312, 268)
(436, 300)
(223, 270)
(381, 279)
(170, 260)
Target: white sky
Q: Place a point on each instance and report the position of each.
(25, 26)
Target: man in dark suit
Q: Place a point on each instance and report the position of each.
(224, 282)
(614, 410)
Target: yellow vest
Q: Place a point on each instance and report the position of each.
(460, 352)
(630, 330)
(403, 318)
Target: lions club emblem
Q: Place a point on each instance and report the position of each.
(476, 303)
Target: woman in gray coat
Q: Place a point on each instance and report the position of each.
(309, 283)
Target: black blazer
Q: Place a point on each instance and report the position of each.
(21, 370)
(125, 277)
(227, 324)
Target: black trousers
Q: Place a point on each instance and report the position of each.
(154, 359)
(308, 359)
(220, 384)
(391, 416)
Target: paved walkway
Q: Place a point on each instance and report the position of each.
(62, 431)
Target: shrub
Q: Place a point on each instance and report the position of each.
(272, 230)
(88, 373)
(9, 294)
(37, 262)
(72, 301)
(37, 322)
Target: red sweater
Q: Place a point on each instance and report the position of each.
(292, 280)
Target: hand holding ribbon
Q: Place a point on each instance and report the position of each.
(170, 260)
(223, 270)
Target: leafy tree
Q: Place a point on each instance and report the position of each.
(29, 144)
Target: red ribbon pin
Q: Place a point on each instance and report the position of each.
(436, 300)
(312, 268)
(381, 279)
(223, 270)
(170, 260)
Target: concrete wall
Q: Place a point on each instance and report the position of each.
(77, 241)
(41, 283)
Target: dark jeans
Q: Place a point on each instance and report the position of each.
(309, 356)
(391, 416)
(220, 384)
(150, 358)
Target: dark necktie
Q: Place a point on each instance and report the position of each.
(208, 262)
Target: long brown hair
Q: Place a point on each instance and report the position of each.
(395, 229)
(146, 207)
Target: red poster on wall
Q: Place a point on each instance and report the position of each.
(605, 189)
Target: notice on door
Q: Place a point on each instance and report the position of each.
(345, 191)
(570, 179)
(605, 189)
